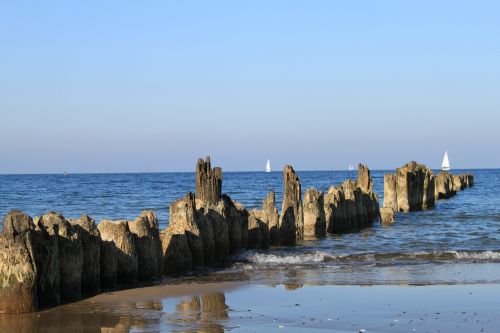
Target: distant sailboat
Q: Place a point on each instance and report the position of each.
(268, 166)
(445, 166)
(351, 167)
(65, 173)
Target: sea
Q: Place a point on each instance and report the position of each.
(457, 242)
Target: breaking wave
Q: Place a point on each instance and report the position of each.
(297, 259)
(325, 258)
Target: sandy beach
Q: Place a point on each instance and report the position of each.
(244, 307)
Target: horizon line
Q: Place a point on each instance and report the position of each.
(228, 171)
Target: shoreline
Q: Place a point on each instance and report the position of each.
(248, 307)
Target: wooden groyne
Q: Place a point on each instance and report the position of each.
(415, 187)
(50, 259)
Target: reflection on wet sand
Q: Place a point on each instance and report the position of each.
(204, 313)
(164, 307)
(292, 305)
(87, 317)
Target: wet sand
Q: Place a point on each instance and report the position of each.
(244, 307)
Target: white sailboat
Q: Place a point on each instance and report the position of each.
(268, 166)
(445, 166)
(351, 167)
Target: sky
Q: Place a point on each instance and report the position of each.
(151, 86)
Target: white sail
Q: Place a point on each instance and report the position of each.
(351, 167)
(445, 166)
(268, 166)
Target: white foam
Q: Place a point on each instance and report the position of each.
(283, 259)
(315, 257)
(479, 255)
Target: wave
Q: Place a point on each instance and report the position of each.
(478, 255)
(325, 258)
(265, 258)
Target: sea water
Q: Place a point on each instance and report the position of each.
(458, 241)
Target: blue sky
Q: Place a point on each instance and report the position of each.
(118, 86)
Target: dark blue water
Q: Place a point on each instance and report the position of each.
(123, 196)
(465, 228)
